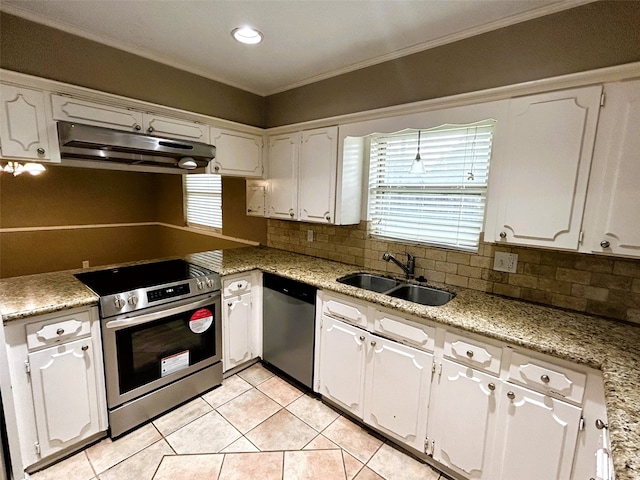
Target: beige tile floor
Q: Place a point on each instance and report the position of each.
(255, 426)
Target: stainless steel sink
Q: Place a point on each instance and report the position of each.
(374, 283)
(421, 295)
(397, 289)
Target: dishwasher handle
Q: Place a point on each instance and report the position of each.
(290, 288)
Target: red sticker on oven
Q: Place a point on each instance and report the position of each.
(201, 320)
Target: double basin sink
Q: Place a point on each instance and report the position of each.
(397, 289)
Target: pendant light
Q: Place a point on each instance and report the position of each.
(417, 166)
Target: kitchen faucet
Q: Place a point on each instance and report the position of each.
(408, 269)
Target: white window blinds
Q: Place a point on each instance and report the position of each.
(203, 194)
(445, 204)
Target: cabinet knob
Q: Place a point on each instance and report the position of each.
(229, 304)
(545, 378)
(491, 386)
(373, 344)
(511, 395)
(361, 338)
(249, 210)
(503, 234)
(137, 127)
(600, 424)
(60, 331)
(85, 348)
(216, 168)
(470, 353)
(150, 129)
(40, 151)
(327, 217)
(605, 244)
(291, 213)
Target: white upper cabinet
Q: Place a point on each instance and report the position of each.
(317, 175)
(237, 153)
(70, 109)
(542, 169)
(614, 191)
(175, 128)
(282, 194)
(24, 131)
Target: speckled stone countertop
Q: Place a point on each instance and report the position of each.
(612, 347)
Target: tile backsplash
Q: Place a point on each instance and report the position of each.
(593, 284)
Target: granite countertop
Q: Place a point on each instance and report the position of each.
(610, 346)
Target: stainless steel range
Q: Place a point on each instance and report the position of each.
(161, 333)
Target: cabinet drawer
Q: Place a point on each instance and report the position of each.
(472, 352)
(58, 330)
(403, 330)
(547, 378)
(345, 310)
(237, 286)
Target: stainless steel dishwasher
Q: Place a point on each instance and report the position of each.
(289, 327)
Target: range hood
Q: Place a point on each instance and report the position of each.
(108, 148)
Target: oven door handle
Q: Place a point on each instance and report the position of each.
(150, 317)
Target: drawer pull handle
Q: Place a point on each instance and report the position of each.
(491, 386)
(60, 331)
(511, 395)
(85, 348)
(545, 378)
(470, 353)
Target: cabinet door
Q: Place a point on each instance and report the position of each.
(89, 113)
(23, 125)
(256, 193)
(237, 153)
(537, 438)
(238, 331)
(342, 364)
(397, 390)
(317, 175)
(616, 173)
(64, 394)
(462, 419)
(547, 159)
(175, 128)
(282, 195)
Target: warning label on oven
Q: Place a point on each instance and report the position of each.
(174, 363)
(201, 320)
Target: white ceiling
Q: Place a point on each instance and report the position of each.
(304, 40)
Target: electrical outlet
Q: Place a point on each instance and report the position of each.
(505, 262)
(85, 264)
(309, 235)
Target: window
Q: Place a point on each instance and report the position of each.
(203, 199)
(443, 203)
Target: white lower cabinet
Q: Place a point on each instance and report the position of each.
(342, 364)
(58, 397)
(64, 394)
(397, 386)
(384, 383)
(241, 305)
(537, 436)
(462, 419)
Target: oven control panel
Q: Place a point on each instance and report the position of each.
(168, 292)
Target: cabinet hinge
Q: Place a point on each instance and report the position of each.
(440, 369)
(603, 97)
(426, 445)
(581, 427)
(27, 367)
(581, 236)
(433, 367)
(37, 445)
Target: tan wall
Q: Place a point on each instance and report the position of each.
(35, 49)
(65, 196)
(591, 36)
(598, 285)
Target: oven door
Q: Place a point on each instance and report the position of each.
(147, 351)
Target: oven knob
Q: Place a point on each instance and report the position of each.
(200, 285)
(133, 300)
(119, 302)
(209, 283)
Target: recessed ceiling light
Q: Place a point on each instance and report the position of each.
(247, 35)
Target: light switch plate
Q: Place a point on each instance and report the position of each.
(505, 262)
